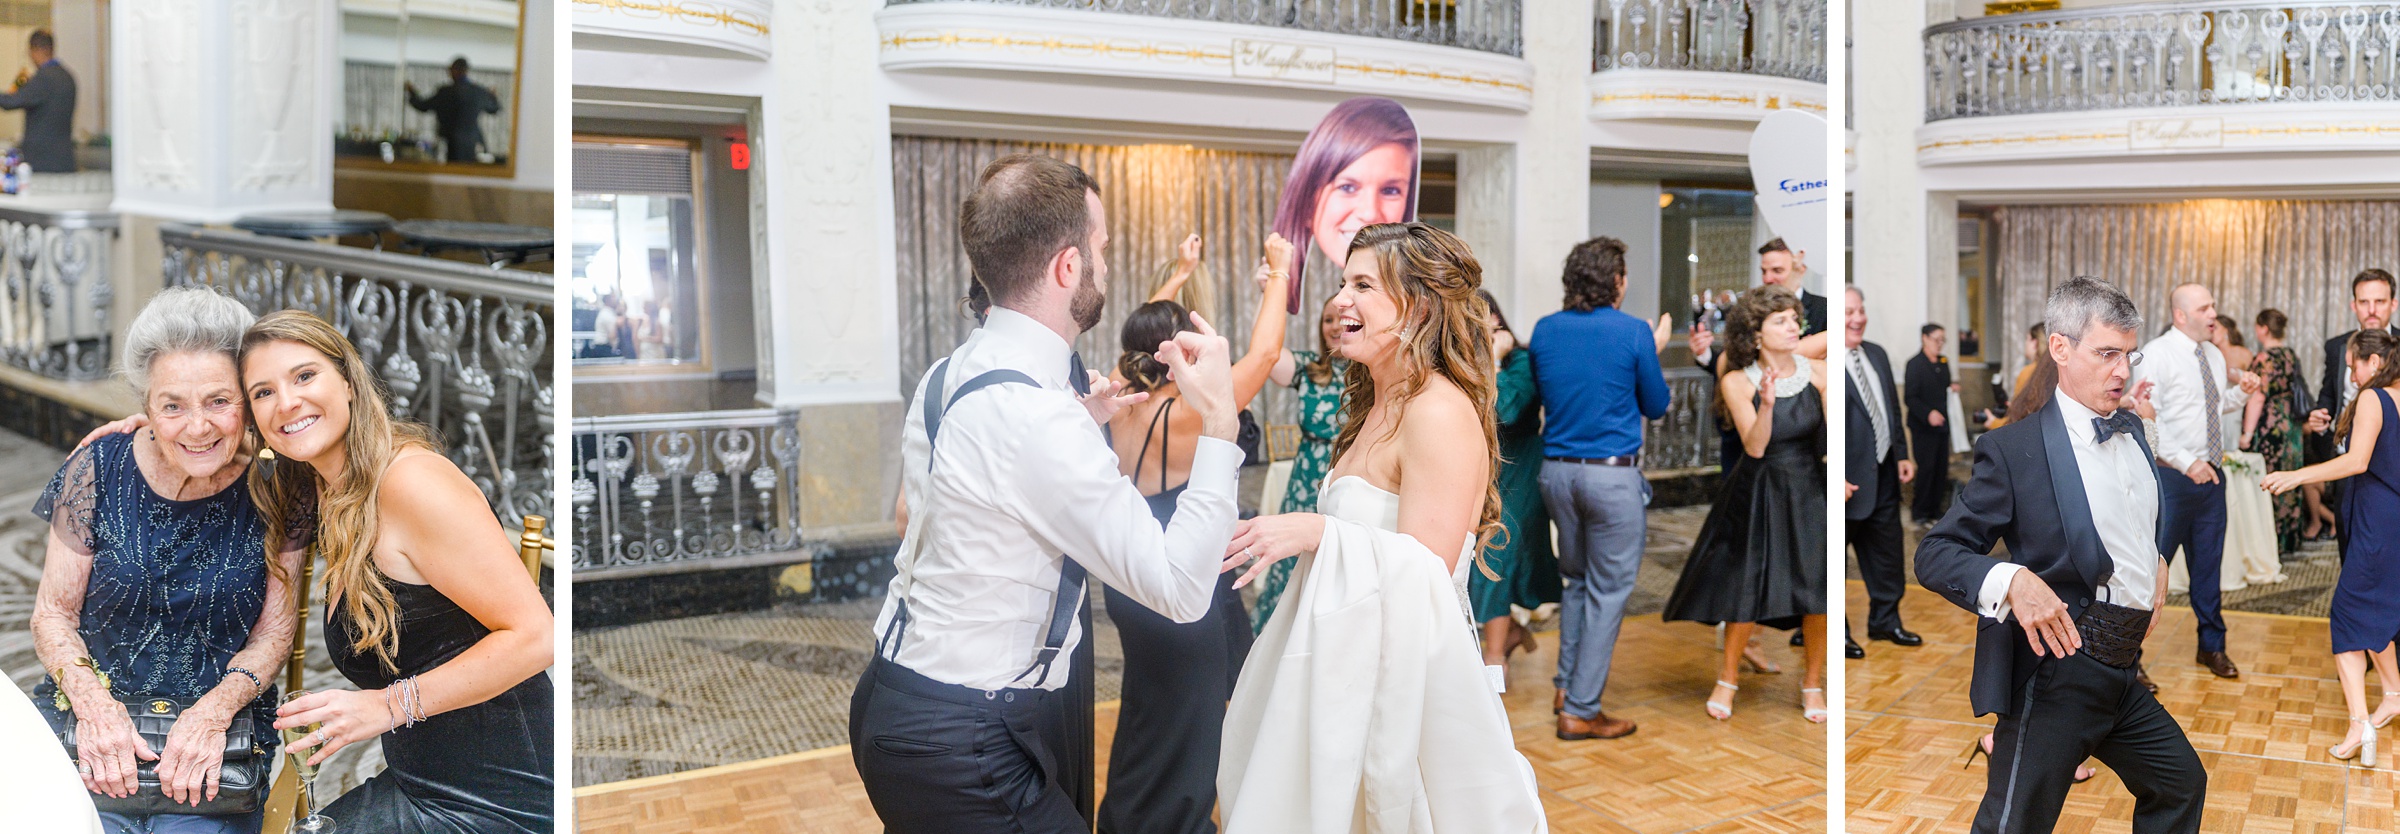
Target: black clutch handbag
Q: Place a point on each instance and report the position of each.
(2112, 634)
(241, 783)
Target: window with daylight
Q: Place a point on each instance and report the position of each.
(635, 267)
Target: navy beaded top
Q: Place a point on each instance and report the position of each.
(175, 586)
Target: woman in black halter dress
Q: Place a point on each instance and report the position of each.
(428, 610)
(1162, 767)
(1759, 558)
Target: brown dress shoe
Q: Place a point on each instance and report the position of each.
(2218, 663)
(2141, 675)
(1571, 728)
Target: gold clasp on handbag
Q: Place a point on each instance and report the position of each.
(161, 706)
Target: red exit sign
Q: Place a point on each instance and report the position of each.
(741, 156)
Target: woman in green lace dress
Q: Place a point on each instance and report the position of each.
(2271, 427)
(1527, 565)
(1317, 377)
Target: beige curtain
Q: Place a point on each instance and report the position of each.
(1154, 194)
(2295, 256)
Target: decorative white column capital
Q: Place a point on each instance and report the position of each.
(222, 107)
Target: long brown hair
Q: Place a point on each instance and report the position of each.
(345, 514)
(2038, 388)
(1433, 277)
(1354, 128)
(2363, 344)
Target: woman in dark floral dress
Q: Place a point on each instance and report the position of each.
(2273, 422)
(1317, 377)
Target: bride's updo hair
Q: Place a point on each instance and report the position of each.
(1149, 325)
(1444, 329)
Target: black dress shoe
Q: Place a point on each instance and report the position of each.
(1900, 636)
(1852, 650)
(1797, 636)
(2218, 664)
(2141, 675)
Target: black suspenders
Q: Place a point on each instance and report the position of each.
(1070, 575)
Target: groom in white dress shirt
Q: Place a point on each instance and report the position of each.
(1012, 495)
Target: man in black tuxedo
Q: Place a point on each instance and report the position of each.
(1875, 467)
(1928, 400)
(2371, 302)
(2074, 495)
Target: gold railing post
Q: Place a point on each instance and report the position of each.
(531, 545)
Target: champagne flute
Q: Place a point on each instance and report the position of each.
(314, 823)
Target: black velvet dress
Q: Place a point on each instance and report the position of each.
(1760, 556)
(484, 768)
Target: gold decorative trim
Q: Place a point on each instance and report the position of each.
(1082, 46)
(683, 11)
(1764, 101)
(2255, 130)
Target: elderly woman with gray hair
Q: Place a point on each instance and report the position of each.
(161, 617)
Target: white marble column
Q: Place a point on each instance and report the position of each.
(827, 297)
(1891, 216)
(1554, 160)
(221, 108)
(1487, 218)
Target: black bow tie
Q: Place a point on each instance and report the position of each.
(2121, 422)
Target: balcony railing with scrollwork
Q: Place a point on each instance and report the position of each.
(1686, 438)
(659, 489)
(1482, 25)
(55, 296)
(1763, 37)
(2162, 55)
(462, 348)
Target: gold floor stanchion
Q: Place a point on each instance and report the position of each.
(284, 798)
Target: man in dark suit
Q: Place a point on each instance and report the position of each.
(2371, 302)
(1875, 467)
(2074, 495)
(48, 98)
(1927, 396)
(1780, 266)
(457, 110)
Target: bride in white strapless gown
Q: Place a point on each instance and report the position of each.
(1364, 705)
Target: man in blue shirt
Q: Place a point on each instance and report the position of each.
(1598, 372)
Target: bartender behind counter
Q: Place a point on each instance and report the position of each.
(47, 95)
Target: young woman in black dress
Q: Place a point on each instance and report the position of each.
(427, 609)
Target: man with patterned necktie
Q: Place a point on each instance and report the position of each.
(2195, 394)
(1876, 467)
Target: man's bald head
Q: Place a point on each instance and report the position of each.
(2194, 311)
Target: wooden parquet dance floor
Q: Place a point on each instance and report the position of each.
(1764, 771)
(2262, 737)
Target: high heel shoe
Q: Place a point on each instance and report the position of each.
(1815, 715)
(2362, 751)
(1722, 710)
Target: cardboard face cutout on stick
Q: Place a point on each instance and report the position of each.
(1356, 169)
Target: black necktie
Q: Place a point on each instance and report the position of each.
(1080, 380)
(2121, 422)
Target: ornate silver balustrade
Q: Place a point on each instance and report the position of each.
(1687, 437)
(1764, 37)
(1482, 25)
(462, 348)
(55, 296)
(2167, 54)
(652, 489)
